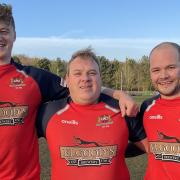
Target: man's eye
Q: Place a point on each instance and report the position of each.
(77, 74)
(92, 73)
(171, 67)
(155, 70)
(4, 32)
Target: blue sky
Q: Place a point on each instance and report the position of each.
(114, 28)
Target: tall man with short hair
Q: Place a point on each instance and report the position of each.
(162, 113)
(86, 133)
(22, 90)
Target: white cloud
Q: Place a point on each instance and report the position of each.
(53, 47)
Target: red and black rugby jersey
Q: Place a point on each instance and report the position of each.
(162, 126)
(89, 141)
(22, 89)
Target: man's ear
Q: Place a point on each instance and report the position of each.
(67, 80)
(14, 35)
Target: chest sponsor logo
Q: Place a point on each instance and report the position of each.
(17, 82)
(156, 117)
(88, 153)
(104, 121)
(167, 149)
(11, 114)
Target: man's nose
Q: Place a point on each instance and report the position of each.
(164, 74)
(85, 77)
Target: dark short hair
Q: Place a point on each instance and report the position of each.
(6, 14)
(86, 53)
(174, 45)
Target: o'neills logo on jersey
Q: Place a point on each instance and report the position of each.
(166, 151)
(70, 122)
(104, 121)
(88, 156)
(158, 116)
(10, 116)
(17, 82)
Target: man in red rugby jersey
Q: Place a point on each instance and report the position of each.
(86, 133)
(162, 113)
(22, 90)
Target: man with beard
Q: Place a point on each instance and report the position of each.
(161, 114)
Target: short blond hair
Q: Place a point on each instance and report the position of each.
(6, 15)
(86, 53)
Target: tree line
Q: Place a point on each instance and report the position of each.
(128, 75)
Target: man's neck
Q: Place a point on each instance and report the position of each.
(5, 61)
(171, 97)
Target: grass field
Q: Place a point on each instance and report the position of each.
(136, 165)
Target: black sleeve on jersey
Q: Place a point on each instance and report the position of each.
(145, 104)
(136, 129)
(49, 83)
(135, 125)
(109, 101)
(46, 111)
(132, 150)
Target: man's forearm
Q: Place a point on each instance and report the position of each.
(116, 94)
(127, 105)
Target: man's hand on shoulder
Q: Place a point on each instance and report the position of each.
(127, 104)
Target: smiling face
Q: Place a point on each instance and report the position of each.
(83, 80)
(165, 71)
(7, 38)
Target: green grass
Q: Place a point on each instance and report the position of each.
(44, 159)
(140, 99)
(136, 165)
